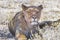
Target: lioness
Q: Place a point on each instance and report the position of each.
(22, 23)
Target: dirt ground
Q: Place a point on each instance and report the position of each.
(50, 12)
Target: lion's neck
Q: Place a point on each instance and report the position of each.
(25, 23)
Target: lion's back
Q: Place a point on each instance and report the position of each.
(14, 23)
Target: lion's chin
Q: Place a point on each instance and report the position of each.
(34, 23)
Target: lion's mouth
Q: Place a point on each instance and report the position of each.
(34, 23)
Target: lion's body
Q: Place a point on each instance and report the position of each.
(24, 20)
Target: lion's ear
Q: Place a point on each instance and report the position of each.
(24, 7)
(40, 7)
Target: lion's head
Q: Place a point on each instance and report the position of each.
(32, 14)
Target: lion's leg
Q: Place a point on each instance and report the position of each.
(20, 37)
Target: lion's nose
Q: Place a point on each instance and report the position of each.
(34, 17)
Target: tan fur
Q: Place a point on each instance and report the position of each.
(21, 36)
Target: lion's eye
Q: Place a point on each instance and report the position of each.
(37, 12)
(28, 11)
